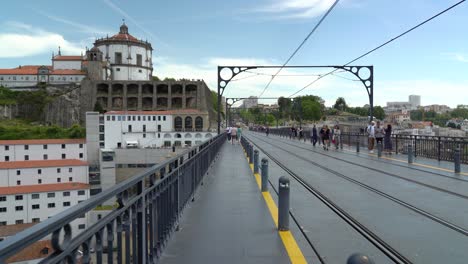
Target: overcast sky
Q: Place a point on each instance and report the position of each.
(191, 38)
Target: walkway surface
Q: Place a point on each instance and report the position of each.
(229, 221)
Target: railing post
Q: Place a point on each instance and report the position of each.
(357, 143)
(415, 149)
(341, 141)
(379, 149)
(141, 224)
(438, 149)
(358, 258)
(255, 161)
(456, 159)
(283, 204)
(264, 175)
(410, 153)
(396, 144)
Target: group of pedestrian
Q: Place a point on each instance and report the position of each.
(296, 133)
(379, 135)
(326, 136)
(234, 134)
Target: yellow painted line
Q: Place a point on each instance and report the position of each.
(414, 163)
(290, 244)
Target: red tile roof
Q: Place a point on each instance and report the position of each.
(43, 188)
(67, 58)
(31, 252)
(22, 70)
(10, 230)
(43, 141)
(41, 163)
(124, 37)
(67, 72)
(164, 112)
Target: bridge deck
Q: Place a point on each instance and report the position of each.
(419, 209)
(229, 221)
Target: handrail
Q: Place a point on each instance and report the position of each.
(147, 186)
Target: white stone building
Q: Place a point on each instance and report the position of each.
(42, 149)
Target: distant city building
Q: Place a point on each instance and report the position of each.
(415, 101)
(440, 109)
(250, 102)
(413, 104)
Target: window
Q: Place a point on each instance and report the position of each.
(65, 204)
(26, 147)
(3, 209)
(154, 118)
(129, 128)
(19, 197)
(117, 69)
(18, 182)
(144, 118)
(81, 192)
(7, 147)
(39, 181)
(159, 128)
(63, 146)
(140, 71)
(144, 128)
(3, 199)
(81, 155)
(113, 118)
(64, 156)
(39, 171)
(50, 195)
(35, 196)
(44, 146)
(51, 205)
(7, 158)
(99, 216)
(70, 169)
(118, 58)
(59, 170)
(123, 118)
(36, 220)
(139, 118)
(45, 251)
(139, 60)
(164, 118)
(159, 118)
(3, 223)
(82, 226)
(70, 179)
(19, 208)
(35, 206)
(59, 180)
(19, 222)
(144, 135)
(66, 194)
(134, 118)
(81, 145)
(108, 118)
(26, 157)
(18, 172)
(45, 157)
(159, 135)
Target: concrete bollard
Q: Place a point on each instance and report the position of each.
(456, 159)
(283, 204)
(358, 258)
(410, 153)
(255, 161)
(251, 153)
(357, 146)
(264, 175)
(379, 149)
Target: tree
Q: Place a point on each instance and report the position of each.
(379, 113)
(340, 104)
(284, 105)
(156, 78)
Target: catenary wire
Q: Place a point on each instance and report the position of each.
(300, 46)
(382, 45)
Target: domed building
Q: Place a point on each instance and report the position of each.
(126, 57)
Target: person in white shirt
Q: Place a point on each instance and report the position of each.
(371, 133)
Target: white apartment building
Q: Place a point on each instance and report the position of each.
(42, 149)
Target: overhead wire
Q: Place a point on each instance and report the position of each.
(382, 45)
(300, 46)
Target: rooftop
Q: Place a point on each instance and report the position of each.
(43, 141)
(38, 188)
(167, 112)
(41, 163)
(67, 58)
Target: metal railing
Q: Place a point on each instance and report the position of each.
(433, 147)
(136, 228)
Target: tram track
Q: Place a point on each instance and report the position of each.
(413, 208)
(388, 173)
(370, 236)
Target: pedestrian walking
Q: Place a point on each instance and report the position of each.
(387, 139)
(326, 138)
(267, 131)
(229, 130)
(313, 136)
(322, 135)
(239, 133)
(379, 134)
(371, 133)
(301, 133)
(336, 136)
(233, 135)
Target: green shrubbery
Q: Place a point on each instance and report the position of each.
(20, 129)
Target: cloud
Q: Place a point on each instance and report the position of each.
(81, 27)
(329, 88)
(460, 57)
(282, 9)
(28, 41)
